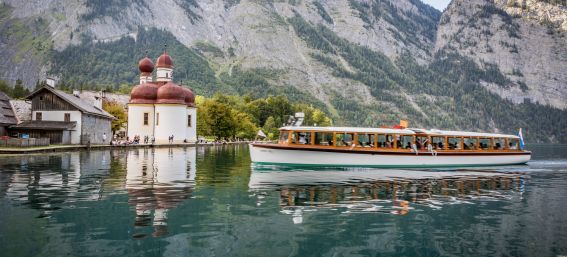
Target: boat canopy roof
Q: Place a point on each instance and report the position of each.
(411, 131)
(434, 132)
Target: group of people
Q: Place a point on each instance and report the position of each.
(136, 140)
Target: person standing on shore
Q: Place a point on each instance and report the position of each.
(104, 138)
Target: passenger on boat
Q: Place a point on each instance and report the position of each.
(414, 148)
(430, 149)
(498, 146)
(513, 146)
(302, 140)
(440, 145)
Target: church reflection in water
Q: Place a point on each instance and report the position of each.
(382, 191)
(158, 180)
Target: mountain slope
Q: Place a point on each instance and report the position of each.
(368, 63)
(522, 38)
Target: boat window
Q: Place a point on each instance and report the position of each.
(284, 136)
(322, 138)
(301, 138)
(343, 139)
(454, 143)
(484, 144)
(498, 144)
(404, 141)
(421, 142)
(470, 143)
(385, 141)
(365, 140)
(513, 144)
(438, 143)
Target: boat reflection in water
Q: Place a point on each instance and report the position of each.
(399, 192)
(158, 180)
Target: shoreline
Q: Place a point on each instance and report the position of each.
(71, 148)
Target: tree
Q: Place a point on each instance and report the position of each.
(117, 110)
(19, 90)
(219, 120)
(270, 128)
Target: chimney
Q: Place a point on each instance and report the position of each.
(50, 82)
(98, 102)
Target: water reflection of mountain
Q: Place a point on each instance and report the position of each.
(382, 191)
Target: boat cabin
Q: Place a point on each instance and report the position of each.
(390, 139)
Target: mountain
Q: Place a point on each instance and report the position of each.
(525, 39)
(368, 63)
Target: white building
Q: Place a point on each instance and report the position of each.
(161, 109)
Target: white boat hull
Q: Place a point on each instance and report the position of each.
(271, 155)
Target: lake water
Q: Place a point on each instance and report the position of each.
(210, 201)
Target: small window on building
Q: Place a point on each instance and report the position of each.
(67, 117)
(157, 119)
(38, 116)
(41, 98)
(146, 118)
(188, 120)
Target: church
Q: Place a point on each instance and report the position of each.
(161, 109)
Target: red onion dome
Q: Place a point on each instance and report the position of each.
(189, 97)
(144, 94)
(170, 93)
(164, 61)
(146, 65)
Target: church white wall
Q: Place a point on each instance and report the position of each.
(136, 120)
(172, 121)
(191, 133)
(60, 116)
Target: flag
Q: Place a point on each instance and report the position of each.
(521, 139)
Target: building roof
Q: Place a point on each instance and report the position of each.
(22, 109)
(82, 105)
(7, 116)
(45, 125)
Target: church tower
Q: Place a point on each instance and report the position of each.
(164, 68)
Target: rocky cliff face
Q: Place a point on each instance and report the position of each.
(526, 40)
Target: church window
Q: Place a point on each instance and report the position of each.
(188, 120)
(146, 118)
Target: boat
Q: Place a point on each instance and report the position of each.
(389, 148)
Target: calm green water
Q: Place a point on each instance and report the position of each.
(210, 201)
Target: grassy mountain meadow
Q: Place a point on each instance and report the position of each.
(356, 84)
